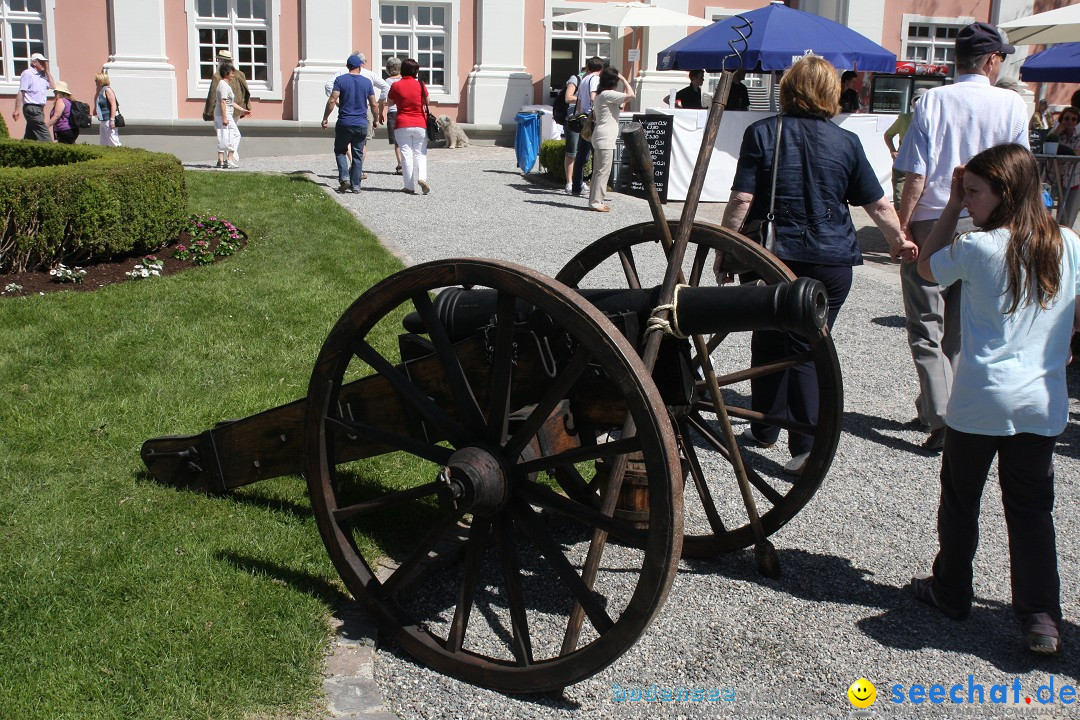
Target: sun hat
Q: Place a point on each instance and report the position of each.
(38, 56)
(61, 87)
(224, 54)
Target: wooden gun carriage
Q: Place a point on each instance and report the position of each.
(521, 451)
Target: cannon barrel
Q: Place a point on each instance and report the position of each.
(799, 306)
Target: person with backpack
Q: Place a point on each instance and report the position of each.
(585, 93)
(562, 109)
(64, 128)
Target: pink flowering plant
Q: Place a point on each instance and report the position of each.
(210, 237)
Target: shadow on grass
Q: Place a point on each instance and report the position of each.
(991, 633)
(314, 586)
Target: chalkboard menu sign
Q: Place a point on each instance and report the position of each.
(658, 130)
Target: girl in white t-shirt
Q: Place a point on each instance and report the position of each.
(1019, 278)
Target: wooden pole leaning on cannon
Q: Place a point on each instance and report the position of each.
(483, 426)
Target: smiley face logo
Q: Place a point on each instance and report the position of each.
(862, 693)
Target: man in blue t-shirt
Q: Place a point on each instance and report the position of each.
(353, 95)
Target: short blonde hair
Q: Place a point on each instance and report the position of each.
(810, 87)
(101, 79)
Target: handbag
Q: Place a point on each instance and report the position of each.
(576, 122)
(587, 128)
(118, 121)
(433, 131)
(763, 232)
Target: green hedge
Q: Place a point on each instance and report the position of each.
(3, 127)
(552, 153)
(72, 203)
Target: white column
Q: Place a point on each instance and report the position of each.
(499, 85)
(325, 43)
(866, 17)
(651, 85)
(139, 70)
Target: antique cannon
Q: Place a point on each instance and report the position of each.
(489, 429)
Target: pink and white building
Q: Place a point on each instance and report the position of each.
(482, 59)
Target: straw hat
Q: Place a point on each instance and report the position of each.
(224, 55)
(61, 87)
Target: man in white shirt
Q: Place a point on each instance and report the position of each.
(951, 124)
(34, 84)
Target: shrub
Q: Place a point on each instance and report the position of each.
(72, 203)
(3, 127)
(551, 157)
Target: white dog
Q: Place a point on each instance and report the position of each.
(453, 134)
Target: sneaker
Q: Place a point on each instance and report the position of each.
(408, 191)
(232, 164)
(424, 186)
(749, 436)
(354, 190)
(344, 186)
(219, 165)
(922, 587)
(569, 189)
(1043, 644)
(916, 424)
(795, 465)
(935, 441)
(397, 170)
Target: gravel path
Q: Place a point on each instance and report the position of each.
(787, 647)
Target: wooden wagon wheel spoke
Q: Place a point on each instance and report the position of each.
(626, 259)
(421, 551)
(622, 446)
(558, 390)
(479, 534)
(698, 423)
(502, 373)
(464, 399)
(764, 370)
(438, 417)
(593, 267)
(344, 515)
(519, 620)
(702, 486)
(575, 487)
(434, 453)
(548, 499)
(534, 529)
(486, 618)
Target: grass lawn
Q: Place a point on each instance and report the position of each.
(120, 598)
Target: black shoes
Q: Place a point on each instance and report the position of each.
(922, 586)
(935, 441)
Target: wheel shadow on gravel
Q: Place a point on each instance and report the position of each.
(555, 699)
(991, 633)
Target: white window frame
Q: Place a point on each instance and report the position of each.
(274, 86)
(908, 20)
(583, 35)
(10, 85)
(450, 93)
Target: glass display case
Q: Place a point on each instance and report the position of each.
(893, 93)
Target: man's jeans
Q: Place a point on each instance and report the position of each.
(344, 136)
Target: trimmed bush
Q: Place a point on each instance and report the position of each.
(552, 153)
(73, 203)
(3, 127)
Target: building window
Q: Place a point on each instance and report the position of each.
(22, 33)
(248, 30)
(931, 40)
(592, 40)
(421, 31)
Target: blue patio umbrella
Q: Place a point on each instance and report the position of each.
(1057, 63)
(778, 35)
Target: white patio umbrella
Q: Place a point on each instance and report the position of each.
(633, 15)
(1046, 28)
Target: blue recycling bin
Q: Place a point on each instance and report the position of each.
(527, 140)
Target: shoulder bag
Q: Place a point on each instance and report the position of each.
(118, 121)
(433, 132)
(587, 127)
(763, 232)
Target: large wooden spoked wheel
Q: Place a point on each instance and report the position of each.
(717, 519)
(451, 467)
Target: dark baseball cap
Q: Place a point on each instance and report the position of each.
(981, 38)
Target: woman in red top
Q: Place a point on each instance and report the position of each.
(410, 96)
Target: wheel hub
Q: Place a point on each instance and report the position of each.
(475, 480)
